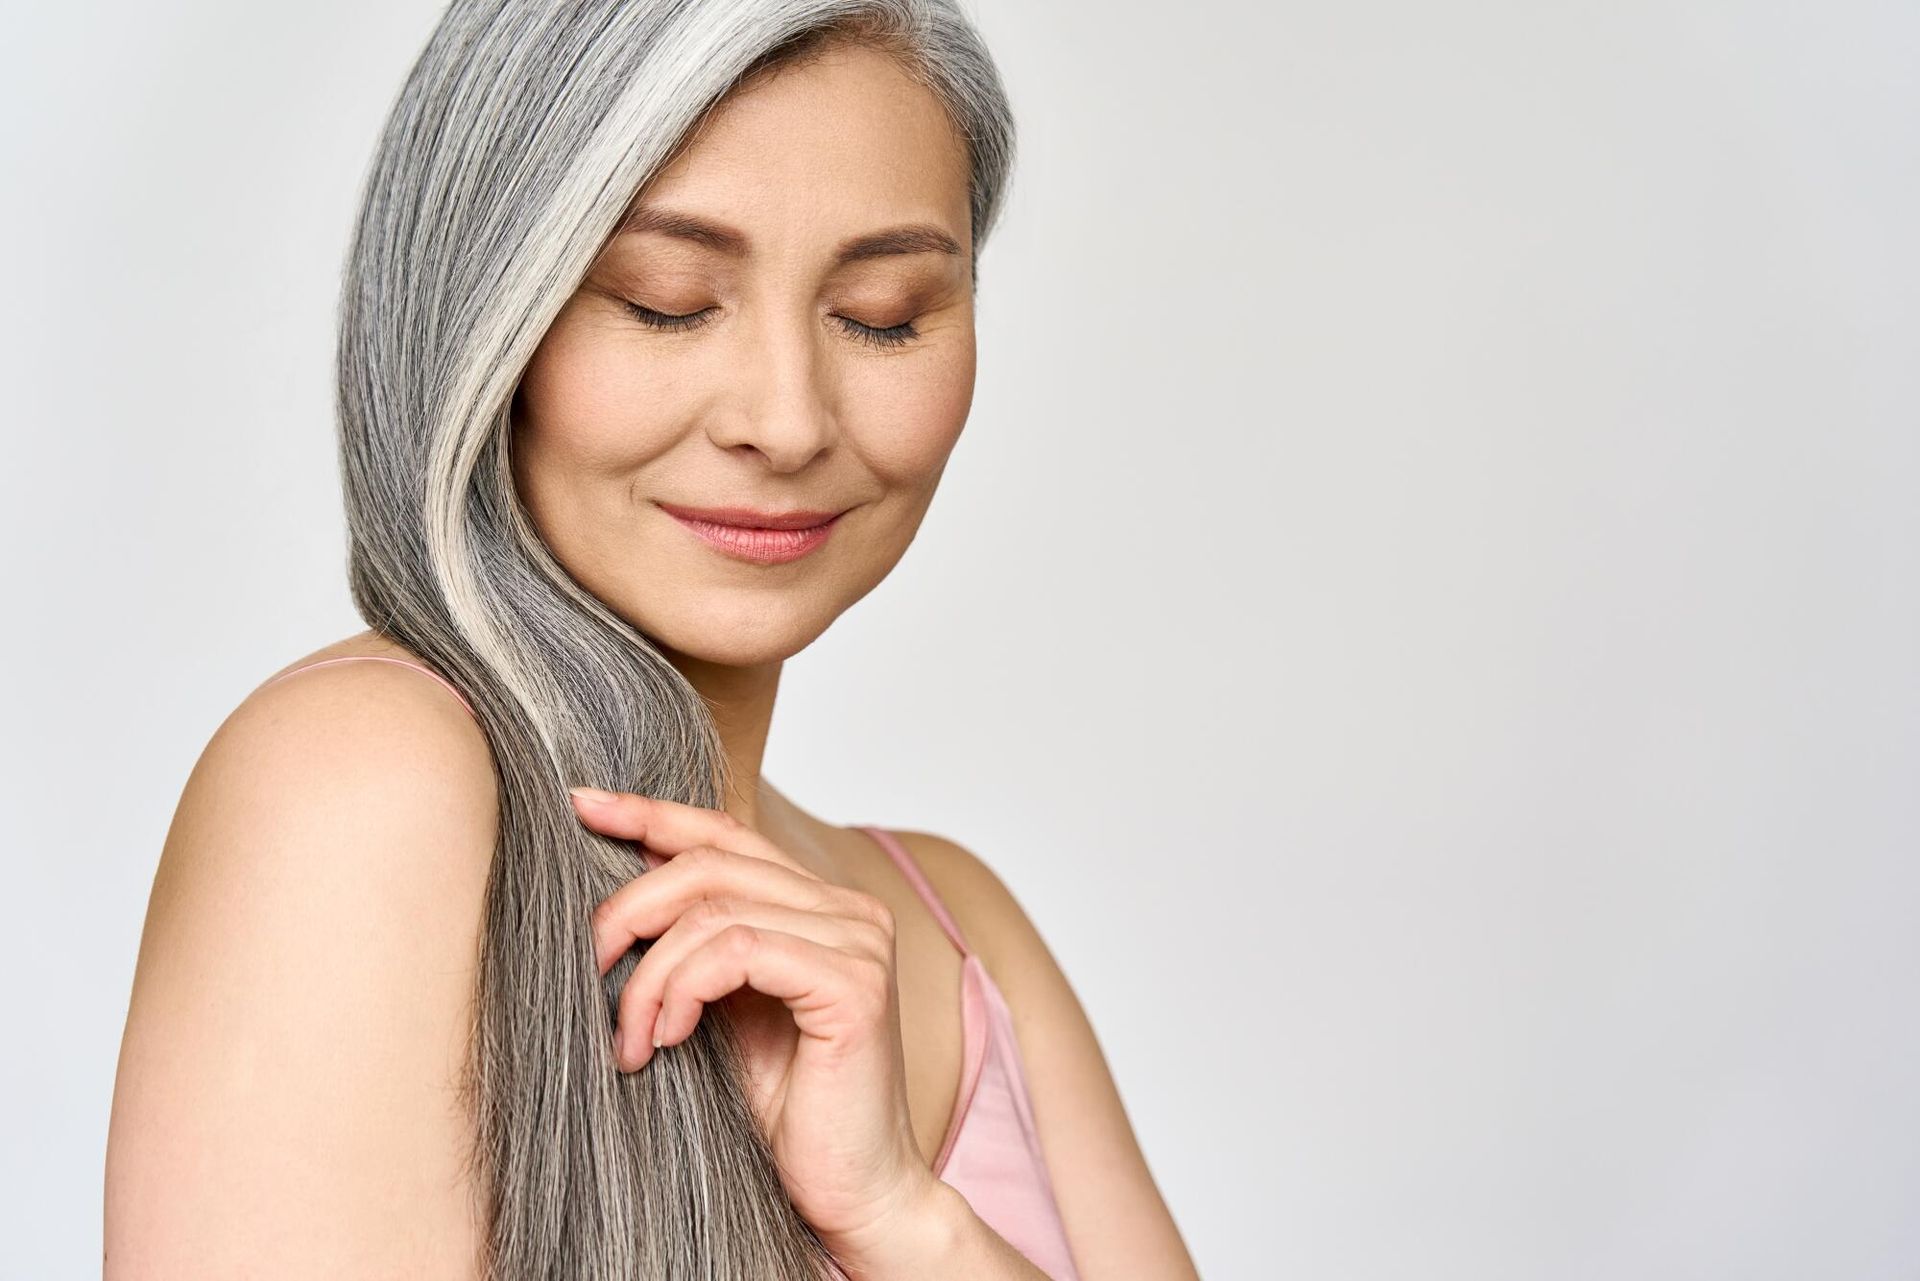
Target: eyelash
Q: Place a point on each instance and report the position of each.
(892, 336)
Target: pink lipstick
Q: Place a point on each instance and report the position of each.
(765, 538)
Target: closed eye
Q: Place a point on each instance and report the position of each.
(890, 336)
(666, 320)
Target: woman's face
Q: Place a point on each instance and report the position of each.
(804, 377)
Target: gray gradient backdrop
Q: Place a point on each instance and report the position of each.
(1425, 613)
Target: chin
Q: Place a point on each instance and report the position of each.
(730, 639)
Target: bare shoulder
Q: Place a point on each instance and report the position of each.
(1117, 1222)
(996, 926)
(979, 900)
(288, 1096)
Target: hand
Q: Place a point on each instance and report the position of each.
(807, 970)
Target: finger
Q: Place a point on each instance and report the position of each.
(830, 992)
(643, 995)
(669, 827)
(647, 905)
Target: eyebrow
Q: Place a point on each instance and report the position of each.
(911, 238)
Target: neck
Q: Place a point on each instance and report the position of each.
(741, 699)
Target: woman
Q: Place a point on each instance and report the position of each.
(656, 335)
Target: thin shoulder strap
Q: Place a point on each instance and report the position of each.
(380, 658)
(922, 886)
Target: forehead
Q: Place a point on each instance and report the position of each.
(827, 146)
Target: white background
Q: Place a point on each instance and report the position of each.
(1425, 614)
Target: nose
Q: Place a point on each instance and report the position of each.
(783, 409)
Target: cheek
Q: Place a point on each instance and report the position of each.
(587, 403)
(909, 413)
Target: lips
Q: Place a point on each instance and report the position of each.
(764, 538)
(748, 518)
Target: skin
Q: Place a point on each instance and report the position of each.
(778, 399)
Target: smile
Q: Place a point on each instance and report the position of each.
(764, 538)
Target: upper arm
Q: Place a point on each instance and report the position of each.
(1118, 1225)
(287, 1098)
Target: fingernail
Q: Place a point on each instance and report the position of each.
(592, 795)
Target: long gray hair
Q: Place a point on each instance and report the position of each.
(521, 135)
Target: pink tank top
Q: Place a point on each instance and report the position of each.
(991, 1154)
